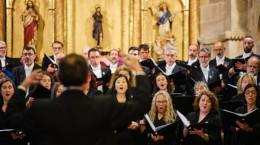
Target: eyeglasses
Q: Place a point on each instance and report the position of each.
(253, 92)
(28, 54)
(161, 102)
(56, 47)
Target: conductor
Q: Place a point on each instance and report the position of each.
(73, 118)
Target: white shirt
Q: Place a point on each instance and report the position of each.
(246, 55)
(113, 67)
(191, 61)
(98, 73)
(28, 70)
(205, 72)
(169, 68)
(220, 60)
(2, 61)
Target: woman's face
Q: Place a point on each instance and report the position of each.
(46, 82)
(250, 96)
(161, 82)
(7, 91)
(245, 82)
(59, 90)
(205, 104)
(121, 85)
(161, 103)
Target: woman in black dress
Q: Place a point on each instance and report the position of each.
(207, 118)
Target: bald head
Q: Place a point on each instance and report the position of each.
(219, 49)
(253, 65)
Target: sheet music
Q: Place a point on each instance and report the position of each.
(184, 120)
(52, 61)
(6, 130)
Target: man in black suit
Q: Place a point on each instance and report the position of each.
(24, 70)
(193, 54)
(75, 119)
(248, 45)
(47, 64)
(202, 71)
(101, 73)
(220, 59)
(170, 67)
(7, 63)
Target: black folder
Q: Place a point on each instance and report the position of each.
(250, 118)
(221, 68)
(235, 60)
(159, 129)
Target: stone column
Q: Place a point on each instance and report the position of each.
(194, 20)
(9, 28)
(125, 25)
(59, 20)
(2, 20)
(186, 32)
(70, 25)
(137, 22)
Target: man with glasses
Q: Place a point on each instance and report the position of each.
(49, 63)
(24, 70)
(202, 71)
(7, 63)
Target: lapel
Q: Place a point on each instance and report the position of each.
(22, 73)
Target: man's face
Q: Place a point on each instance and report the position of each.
(219, 50)
(204, 58)
(113, 56)
(94, 58)
(2, 49)
(248, 44)
(28, 57)
(134, 53)
(57, 48)
(252, 66)
(170, 57)
(144, 54)
(193, 51)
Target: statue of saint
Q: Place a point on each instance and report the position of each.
(164, 19)
(97, 33)
(30, 19)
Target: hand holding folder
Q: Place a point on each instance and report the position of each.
(158, 129)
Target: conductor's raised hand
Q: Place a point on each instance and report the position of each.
(34, 78)
(132, 63)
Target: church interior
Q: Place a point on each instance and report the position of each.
(129, 23)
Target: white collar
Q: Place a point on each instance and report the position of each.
(95, 68)
(2, 58)
(191, 61)
(29, 67)
(246, 55)
(204, 69)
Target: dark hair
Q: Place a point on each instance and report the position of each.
(49, 75)
(133, 48)
(1, 83)
(28, 48)
(56, 41)
(257, 93)
(93, 50)
(156, 89)
(212, 97)
(114, 92)
(73, 70)
(206, 50)
(144, 47)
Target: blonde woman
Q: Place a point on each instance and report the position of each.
(161, 112)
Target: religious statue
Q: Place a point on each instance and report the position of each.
(97, 33)
(164, 19)
(30, 19)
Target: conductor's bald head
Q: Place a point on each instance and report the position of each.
(73, 70)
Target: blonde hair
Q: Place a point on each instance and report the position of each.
(169, 115)
(239, 82)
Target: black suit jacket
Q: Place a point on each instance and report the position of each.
(213, 62)
(213, 75)
(19, 73)
(106, 75)
(75, 119)
(10, 63)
